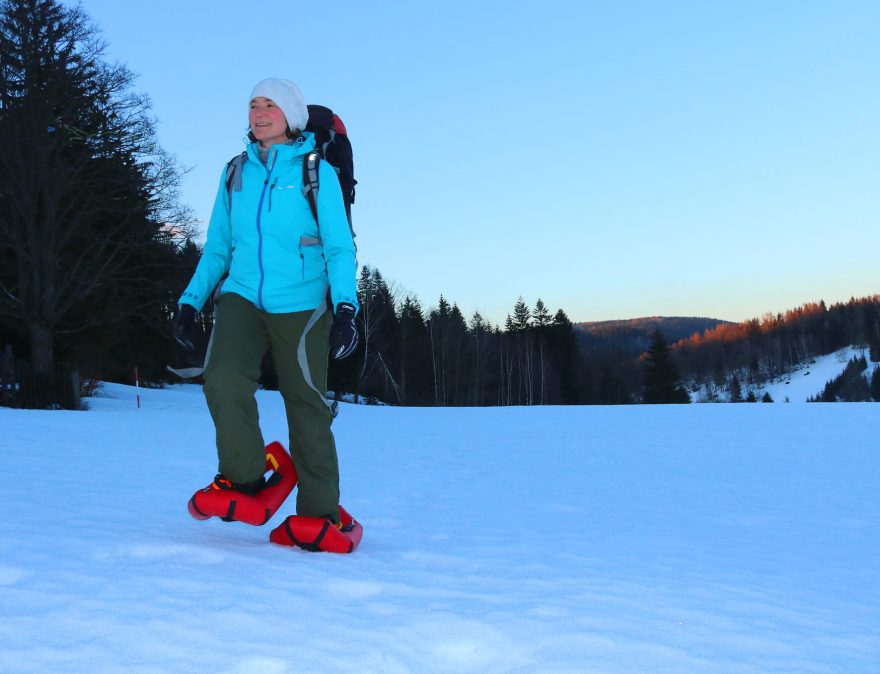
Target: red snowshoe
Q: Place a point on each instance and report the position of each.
(231, 505)
(317, 534)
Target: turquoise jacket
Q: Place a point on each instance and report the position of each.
(270, 244)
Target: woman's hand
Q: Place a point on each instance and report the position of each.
(343, 335)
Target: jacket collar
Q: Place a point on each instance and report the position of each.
(302, 145)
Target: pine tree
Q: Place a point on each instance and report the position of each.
(416, 378)
(86, 193)
(438, 332)
(480, 333)
(522, 353)
(766, 398)
(379, 326)
(875, 385)
(571, 362)
(541, 321)
(661, 380)
(541, 317)
(735, 390)
(459, 356)
(522, 317)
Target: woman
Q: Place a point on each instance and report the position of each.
(279, 264)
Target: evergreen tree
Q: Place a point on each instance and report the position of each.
(849, 386)
(386, 340)
(522, 344)
(661, 379)
(415, 355)
(543, 359)
(438, 332)
(572, 371)
(766, 398)
(541, 317)
(561, 320)
(875, 385)
(458, 357)
(854, 386)
(88, 199)
(735, 390)
(379, 326)
(522, 317)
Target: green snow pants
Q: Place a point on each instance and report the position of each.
(299, 342)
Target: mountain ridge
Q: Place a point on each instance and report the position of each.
(633, 335)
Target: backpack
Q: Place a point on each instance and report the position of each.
(331, 145)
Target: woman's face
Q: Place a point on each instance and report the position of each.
(268, 123)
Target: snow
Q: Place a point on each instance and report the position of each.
(806, 381)
(810, 380)
(706, 539)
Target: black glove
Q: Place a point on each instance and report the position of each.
(343, 334)
(182, 326)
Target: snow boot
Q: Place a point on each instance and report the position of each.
(253, 503)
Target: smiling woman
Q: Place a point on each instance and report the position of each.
(257, 235)
(277, 112)
(267, 121)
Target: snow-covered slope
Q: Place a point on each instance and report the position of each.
(804, 382)
(707, 539)
(810, 380)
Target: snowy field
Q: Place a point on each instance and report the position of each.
(724, 539)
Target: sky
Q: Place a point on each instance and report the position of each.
(615, 160)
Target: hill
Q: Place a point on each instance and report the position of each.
(632, 336)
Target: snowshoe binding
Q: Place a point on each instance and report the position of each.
(319, 534)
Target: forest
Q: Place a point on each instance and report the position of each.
(760, 350)
(411, 357)
(96, 246)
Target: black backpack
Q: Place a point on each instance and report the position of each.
(331, 145)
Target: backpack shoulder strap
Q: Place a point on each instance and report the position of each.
(233, 175)
(311, 183)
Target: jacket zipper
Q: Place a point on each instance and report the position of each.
(272, 187)
(269, 168)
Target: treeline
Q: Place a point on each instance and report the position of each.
(413, 356)
(773, 346)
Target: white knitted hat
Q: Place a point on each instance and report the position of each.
(287, 97)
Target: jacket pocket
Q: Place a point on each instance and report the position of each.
(311, 255)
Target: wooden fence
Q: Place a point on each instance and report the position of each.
(21, 387)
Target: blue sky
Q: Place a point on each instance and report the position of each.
(613, 159)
